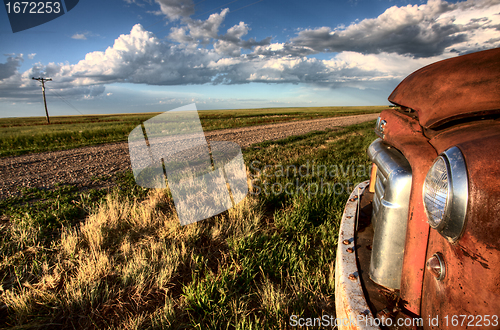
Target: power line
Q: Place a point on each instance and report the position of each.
(164, 18)
(147, 27)
(67, 102)
(216, 8)
(246, 6)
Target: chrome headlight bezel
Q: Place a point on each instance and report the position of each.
(454, 215)
(380, 127)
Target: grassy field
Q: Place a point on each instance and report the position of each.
(26, 135)
(93, 260)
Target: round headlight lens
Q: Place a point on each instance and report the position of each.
(436, 192)
(446, 194)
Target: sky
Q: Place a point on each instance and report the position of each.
(130, 56)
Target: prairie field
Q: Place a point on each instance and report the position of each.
(119, 259)
(27, 135)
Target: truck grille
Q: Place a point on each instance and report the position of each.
(379, 191)
(390, 213)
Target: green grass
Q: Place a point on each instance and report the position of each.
(122, 261)
(27, 135)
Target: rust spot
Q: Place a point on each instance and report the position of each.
(385, 314)
(365, 312)
(350, 250)
(346, 242)
(369, 247)
(352, 277)
(475, 257)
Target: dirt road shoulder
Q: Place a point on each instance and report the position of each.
(81, 166)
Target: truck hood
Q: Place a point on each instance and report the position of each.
(459, 87)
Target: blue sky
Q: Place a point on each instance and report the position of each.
(122, 56)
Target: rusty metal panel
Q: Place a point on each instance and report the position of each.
(405, 134)
(350, 304)
(471, 285)
(459, 87)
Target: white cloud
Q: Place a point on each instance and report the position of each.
(175, 9)
(369, 53)
(481, 19)
(31, 56)
(83, 36)
(9, 68)
(140, 4)
(137, 57)
(421, 31)
(231, 43)
(224, 63)
(79, 36)
(196, 32)
(346, 69)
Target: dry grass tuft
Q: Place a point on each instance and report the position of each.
(125, 265)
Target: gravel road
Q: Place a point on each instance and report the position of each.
(79, 166)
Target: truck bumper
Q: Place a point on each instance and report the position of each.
(351, 306)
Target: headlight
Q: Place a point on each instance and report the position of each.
(436, 192)
(446, 193)
(380, 127)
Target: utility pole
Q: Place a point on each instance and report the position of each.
(43, 80)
